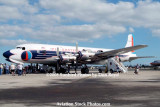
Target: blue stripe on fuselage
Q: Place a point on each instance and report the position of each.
(43, 54)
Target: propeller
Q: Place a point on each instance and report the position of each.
(77, 47)
(59, 55)
(78, 53)
(57, 51)
(58, 61)
(76, 57)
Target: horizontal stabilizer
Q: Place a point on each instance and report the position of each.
(133, 58)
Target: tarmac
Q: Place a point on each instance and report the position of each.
(98, 90)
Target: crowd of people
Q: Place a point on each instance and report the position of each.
(18, 69)
(12, 69)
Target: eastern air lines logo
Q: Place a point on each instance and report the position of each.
(26, 55)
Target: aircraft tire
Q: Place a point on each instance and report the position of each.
(100, 71)
(86, 71)
(83, 71)
(111, 71)
(62, 70)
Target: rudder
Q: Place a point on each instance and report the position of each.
(130, 41)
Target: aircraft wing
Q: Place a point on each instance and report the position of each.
(133, 58)
(112, 53)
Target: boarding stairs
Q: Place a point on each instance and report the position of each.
(116, 63)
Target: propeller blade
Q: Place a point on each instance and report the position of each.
(76, 62)
(76, 46)
(57, 51)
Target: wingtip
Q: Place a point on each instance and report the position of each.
(144, 45)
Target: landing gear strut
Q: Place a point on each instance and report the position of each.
(59, 69)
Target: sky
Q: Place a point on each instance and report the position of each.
(91, 23)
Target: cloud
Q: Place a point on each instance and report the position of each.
(5, 42)
(9, 31)
(75, 20)
(156, 32)
(44, 20)
(13, 2)
(143, 14)
(7, 13)
(131, 30)
(16, 9)
(89, 10)
(77, 32)
(62, 33)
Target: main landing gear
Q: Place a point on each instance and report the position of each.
(85, 70)
(59, 69)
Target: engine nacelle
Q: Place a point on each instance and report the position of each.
(123, 58)
(67, 58)
(85, 55)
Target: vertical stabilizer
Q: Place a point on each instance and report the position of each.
(130, 41)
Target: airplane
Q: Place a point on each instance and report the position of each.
(155, 63)
(57, 55)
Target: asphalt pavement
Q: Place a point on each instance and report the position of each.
(116, 90)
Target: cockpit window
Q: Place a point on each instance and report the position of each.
(23, 48)
(18, 47)
(99, 51)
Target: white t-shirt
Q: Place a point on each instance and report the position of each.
(12, 67)
(1, 66)
(19, 67)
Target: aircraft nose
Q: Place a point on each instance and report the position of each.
(7, 54)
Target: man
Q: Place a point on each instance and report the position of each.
(7, 68)
(12, 67)
(117, 68)
(4, 68)
(19, 68)
(136, 69)
(68, 69)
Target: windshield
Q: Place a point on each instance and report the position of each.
(23, 48)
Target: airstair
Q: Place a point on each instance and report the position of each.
(113, 63)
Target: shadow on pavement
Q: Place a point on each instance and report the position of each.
(85, 90)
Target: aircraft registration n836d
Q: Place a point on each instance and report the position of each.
(57, 55)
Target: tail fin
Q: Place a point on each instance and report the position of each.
(130, 41)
